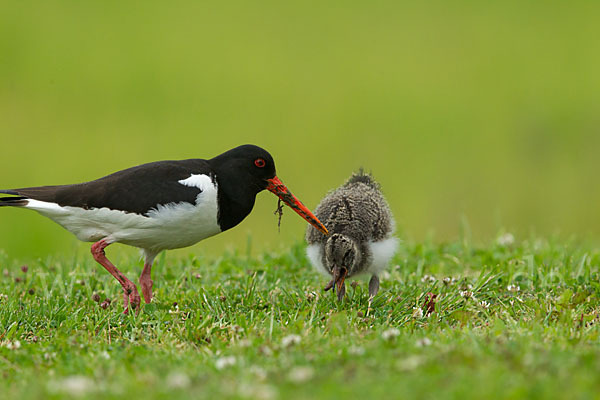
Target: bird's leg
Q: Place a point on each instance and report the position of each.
(130, 291)
(145, 281)
(341, 290)
(373, 286)
(373, 289)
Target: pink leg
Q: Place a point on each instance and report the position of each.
(130, 293)
(146, 282)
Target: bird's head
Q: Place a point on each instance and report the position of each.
(257, 167)
(342, 256)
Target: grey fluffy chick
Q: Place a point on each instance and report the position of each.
(360, 239)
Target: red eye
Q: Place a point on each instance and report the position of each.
(260, 163)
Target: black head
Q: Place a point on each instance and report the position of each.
(251, 166)
(242, 173)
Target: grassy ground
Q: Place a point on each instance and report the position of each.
(508, 320)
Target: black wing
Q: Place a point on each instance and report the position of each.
(136, 190)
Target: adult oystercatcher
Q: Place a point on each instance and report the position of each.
(159, 206)
(361, 229)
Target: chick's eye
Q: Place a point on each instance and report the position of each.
(259, 162)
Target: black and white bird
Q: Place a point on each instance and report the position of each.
(161, 205)
(360, 239)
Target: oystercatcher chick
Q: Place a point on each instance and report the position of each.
(361, 229)
(159, 206)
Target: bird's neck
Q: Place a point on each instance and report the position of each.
(235, 203)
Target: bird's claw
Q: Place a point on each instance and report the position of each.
(131, 299)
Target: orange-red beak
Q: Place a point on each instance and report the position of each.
(278, 188)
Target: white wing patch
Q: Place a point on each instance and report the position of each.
(200, 181)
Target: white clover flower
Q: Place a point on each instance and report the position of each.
(225, 362)
(258, 372)
(390, 334)
(417, 312)
(257, 391)
(507, 239)
(467, 294)
(513, 288)
(300, 374)
(290, 340)
(428, 278)
(356, 350)
(177, 380)
(312, 295)
(75, 385)
(484, 304)
(423, 342)
(12, 345)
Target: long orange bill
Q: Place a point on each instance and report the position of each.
(278, 188)
(341, 288)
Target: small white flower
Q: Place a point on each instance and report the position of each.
(300, 374)
(237, 329)
(12, 345)
(105, 355)
(507, 239)
(265, 351)
(428, 278)
(417, 312)
(484, 304)
(290, 340)
(225, 362)
(3, 296)
(258, 372)
(257, 391)
(513, 288)
(424, 342)
(390, 334)
(177, 380)
(356, 350)
(448, 281)
(466, 294)
(310, 296)
(410, 363)
(75, 385)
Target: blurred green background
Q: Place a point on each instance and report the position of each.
(486, 112)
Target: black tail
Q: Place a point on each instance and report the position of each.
(16, 201)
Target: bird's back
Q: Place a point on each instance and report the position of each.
(356, 209)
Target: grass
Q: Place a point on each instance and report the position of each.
(519, 320)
